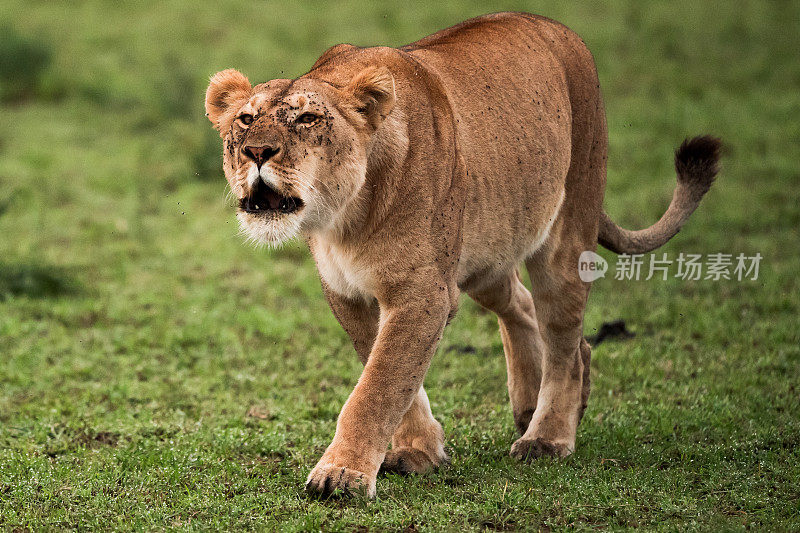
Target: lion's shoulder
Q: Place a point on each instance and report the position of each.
(490, 26)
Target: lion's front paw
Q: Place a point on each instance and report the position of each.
(527, 450)
(408, 460)
(327, 478)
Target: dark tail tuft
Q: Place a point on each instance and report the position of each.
(697, 162)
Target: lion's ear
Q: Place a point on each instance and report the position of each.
(373, 90)
(227, 90)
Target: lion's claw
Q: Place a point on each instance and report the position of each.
(324, 480)
(529, 449)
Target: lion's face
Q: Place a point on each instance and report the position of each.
(295, 152)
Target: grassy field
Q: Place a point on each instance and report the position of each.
(157, 373)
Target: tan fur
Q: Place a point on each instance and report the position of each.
(436, 169)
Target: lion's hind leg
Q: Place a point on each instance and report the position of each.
(523, 346)
(560, 298)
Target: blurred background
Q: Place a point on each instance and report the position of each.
(132, 313)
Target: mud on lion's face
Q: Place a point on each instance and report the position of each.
(294, 153)
(290, 161)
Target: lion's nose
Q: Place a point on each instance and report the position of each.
(260, 154)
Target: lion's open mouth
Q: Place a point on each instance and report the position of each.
(266, 200)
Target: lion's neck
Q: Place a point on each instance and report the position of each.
(372, 203)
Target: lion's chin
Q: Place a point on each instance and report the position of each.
(272, 229)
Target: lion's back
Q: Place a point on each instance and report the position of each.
(504, 65)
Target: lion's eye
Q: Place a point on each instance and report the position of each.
(307, 118)
(246, 119)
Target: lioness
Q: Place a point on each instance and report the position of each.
(421, 172)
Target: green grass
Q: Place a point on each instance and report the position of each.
(157, 373)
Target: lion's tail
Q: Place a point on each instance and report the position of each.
(696, 163)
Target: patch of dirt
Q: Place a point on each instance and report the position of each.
(261, 413)
(105, 438)
(610, 331)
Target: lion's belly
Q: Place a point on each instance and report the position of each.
(493, 249)
(516, 178)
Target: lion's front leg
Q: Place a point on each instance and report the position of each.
(418, 441)
(406, 340)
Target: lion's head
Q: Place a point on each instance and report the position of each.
(295, 151)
